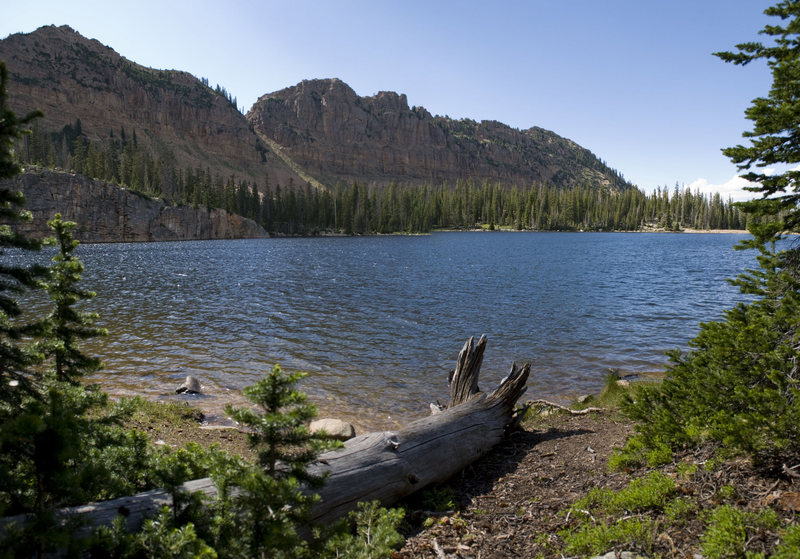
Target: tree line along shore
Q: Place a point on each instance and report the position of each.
(364, 209)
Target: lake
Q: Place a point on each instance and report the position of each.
(377, 322)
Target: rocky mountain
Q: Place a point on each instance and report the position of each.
(336, 135)
(106, 213)
(175, 115)
(167, 133)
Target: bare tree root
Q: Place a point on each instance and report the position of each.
(564, 408)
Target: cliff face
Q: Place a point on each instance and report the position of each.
(107, 213)
(318, 132)
(318, 129)
(70, 77)
(336, 135)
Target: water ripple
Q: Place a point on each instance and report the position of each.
(378, 321)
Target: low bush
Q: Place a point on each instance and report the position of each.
(607, 518)
(739, 384)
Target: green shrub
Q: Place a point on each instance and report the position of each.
(598, 530)
(645, 493)
(729, 529)
(789, 546)
(598, 538)
(686, 470)
(679, 510)
(375, 533)
(159, 537)
(631, 456)
(727, 493)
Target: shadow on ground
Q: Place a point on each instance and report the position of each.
(480, 477)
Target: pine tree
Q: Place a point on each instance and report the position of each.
(280, 433)
(740, 383)
(14, 279)
(42, 422)
(272, 504)
(66, 325)
(775, 137)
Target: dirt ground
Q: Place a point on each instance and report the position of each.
(512, 502)
(503, 502)
(507, 500)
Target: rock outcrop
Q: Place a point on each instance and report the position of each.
(316, 133)
(107, 213)
(334, 134)
(176, 115)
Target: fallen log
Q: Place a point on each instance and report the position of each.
(384, 466)
(390, 465)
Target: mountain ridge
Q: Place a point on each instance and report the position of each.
(321, 125)
(177, 116)
(338, 135)
(288, 162)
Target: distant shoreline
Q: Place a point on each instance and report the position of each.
(701, 231)
(655, 230)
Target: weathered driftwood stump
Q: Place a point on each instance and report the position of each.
(384, 466)
(390, 465)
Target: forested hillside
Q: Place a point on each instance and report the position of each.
(326, 160)
(358, 209)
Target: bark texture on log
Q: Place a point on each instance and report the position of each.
(391, 465)
(134, 509)
(384, 466)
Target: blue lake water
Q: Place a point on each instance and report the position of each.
(377, 322)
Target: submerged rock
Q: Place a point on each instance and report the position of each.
(190, 386)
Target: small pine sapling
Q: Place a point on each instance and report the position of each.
(280, 431)
(273, 504)
(66, 325)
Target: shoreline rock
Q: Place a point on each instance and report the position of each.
(190, 386)
(333, 428)
(107, 213)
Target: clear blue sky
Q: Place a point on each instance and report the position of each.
(634, 81)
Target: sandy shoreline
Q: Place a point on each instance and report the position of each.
(366, 419)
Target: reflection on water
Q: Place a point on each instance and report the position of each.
(377, 322)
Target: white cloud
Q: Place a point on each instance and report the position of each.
(733, 188)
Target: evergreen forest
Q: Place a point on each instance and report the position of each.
(359, 209)
(710, 468)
